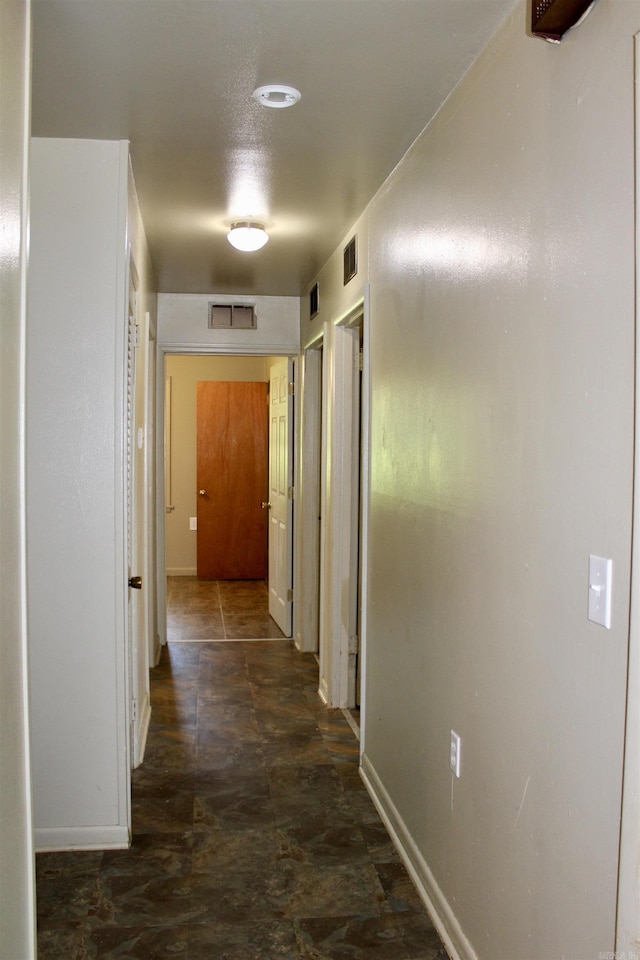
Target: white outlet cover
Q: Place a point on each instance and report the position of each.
(600, 575)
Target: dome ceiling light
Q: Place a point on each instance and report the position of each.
(277, 96)
(247, 235)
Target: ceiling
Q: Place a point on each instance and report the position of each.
(175, 77)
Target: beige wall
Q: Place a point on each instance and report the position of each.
(185, 372)
(17, 908)
(501, 270)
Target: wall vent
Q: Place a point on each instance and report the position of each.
(550, 19)
(232, 316)
(350, 260)
(314, 301)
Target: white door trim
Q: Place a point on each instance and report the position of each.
(628, 916)
(308, 427)
(340, 554)
(186, 349)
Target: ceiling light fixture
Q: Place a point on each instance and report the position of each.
(275, 95)
(247, 235)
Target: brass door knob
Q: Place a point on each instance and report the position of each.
(202, 493)
(136, 583)
(265, 505)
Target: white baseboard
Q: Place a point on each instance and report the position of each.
(182, 571)
(323, 691)
(443, 917)
(49, 839)
(144, 729)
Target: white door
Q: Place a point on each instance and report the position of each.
(280, 503)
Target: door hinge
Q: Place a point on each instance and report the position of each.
(354, 644)
(134, 710)
(289, 595)
(135, 335)
(291, 493)
(292, 388)
(361, 361)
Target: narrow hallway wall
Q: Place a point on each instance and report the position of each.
(501, 271)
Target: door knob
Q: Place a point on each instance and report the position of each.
(136, 583)
(202, 493)
(265, 505)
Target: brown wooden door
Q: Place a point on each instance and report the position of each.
(232, 451)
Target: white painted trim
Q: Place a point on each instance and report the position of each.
(337, 557)
(29, 892)
(308, 425)
(227, 349)
(365, 491)
(441, 913)
(182, 349)
(122, 639)
(339, 551)
(143, 727)
(323, 691)
(50, 839)
(161, 512)
(628, 915)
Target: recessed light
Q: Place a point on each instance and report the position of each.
(275, 95)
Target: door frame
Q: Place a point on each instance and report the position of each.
(200, 350)
(343, 478)
(308, 472)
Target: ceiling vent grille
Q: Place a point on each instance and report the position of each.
(232, 316)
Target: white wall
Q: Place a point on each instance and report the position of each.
(501, 269)
(183, 318)
(75, 510)
(17, 907)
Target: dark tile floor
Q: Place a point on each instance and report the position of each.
(218, 610)
(253, 835)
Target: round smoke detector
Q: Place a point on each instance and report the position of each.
(277, 96)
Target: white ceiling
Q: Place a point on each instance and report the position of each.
(175, 77)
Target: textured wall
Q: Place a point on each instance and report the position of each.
(502, 337)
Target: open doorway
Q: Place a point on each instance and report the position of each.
(220, 602)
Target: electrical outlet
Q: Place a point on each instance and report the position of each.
(454, 753)
(193, 523)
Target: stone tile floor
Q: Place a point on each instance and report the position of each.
(218, 610)
(253, 835)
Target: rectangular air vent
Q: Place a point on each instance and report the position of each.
(232, 316)
(350, 260)
(314, 301)
(550, 19)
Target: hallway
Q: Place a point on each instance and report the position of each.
(254, 837)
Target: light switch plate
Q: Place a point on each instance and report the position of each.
(193, 523)
(600, 573)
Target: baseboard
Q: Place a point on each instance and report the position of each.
(182, 571)
(443, 917)
(144, 729)
(323, 691)
(49, 839)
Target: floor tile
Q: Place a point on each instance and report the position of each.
(254, 837)
(351, 938)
